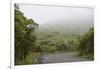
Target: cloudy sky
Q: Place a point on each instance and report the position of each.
(43, 14)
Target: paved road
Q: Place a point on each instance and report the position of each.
(60, 57)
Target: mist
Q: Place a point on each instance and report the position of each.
(56, 18)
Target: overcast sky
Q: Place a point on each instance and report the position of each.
(43, 14)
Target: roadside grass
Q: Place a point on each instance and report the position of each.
(32, 58)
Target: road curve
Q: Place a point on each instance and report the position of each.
(60, 57)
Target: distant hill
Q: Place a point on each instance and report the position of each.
(69, 27)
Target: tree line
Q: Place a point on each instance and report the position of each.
(25, 36)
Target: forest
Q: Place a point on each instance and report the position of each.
(31, 42)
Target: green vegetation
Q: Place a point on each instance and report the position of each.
(52, 42)
(30, 43)
(86, 44)
(25, 37)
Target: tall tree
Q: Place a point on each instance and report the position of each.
(24, 35)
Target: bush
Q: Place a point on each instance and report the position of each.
(86, 44)
(31, 58)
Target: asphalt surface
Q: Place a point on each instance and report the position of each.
(60, 57)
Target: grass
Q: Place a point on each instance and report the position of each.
(32, 58)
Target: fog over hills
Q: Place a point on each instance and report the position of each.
(67, 26)
(60, 19)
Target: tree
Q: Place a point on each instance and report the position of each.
(24, 35)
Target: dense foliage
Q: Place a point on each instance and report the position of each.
(24, 36)
(86, 44)
(51, 42)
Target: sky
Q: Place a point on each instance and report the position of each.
(43, 14)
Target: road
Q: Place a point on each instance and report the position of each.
(60, 57)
